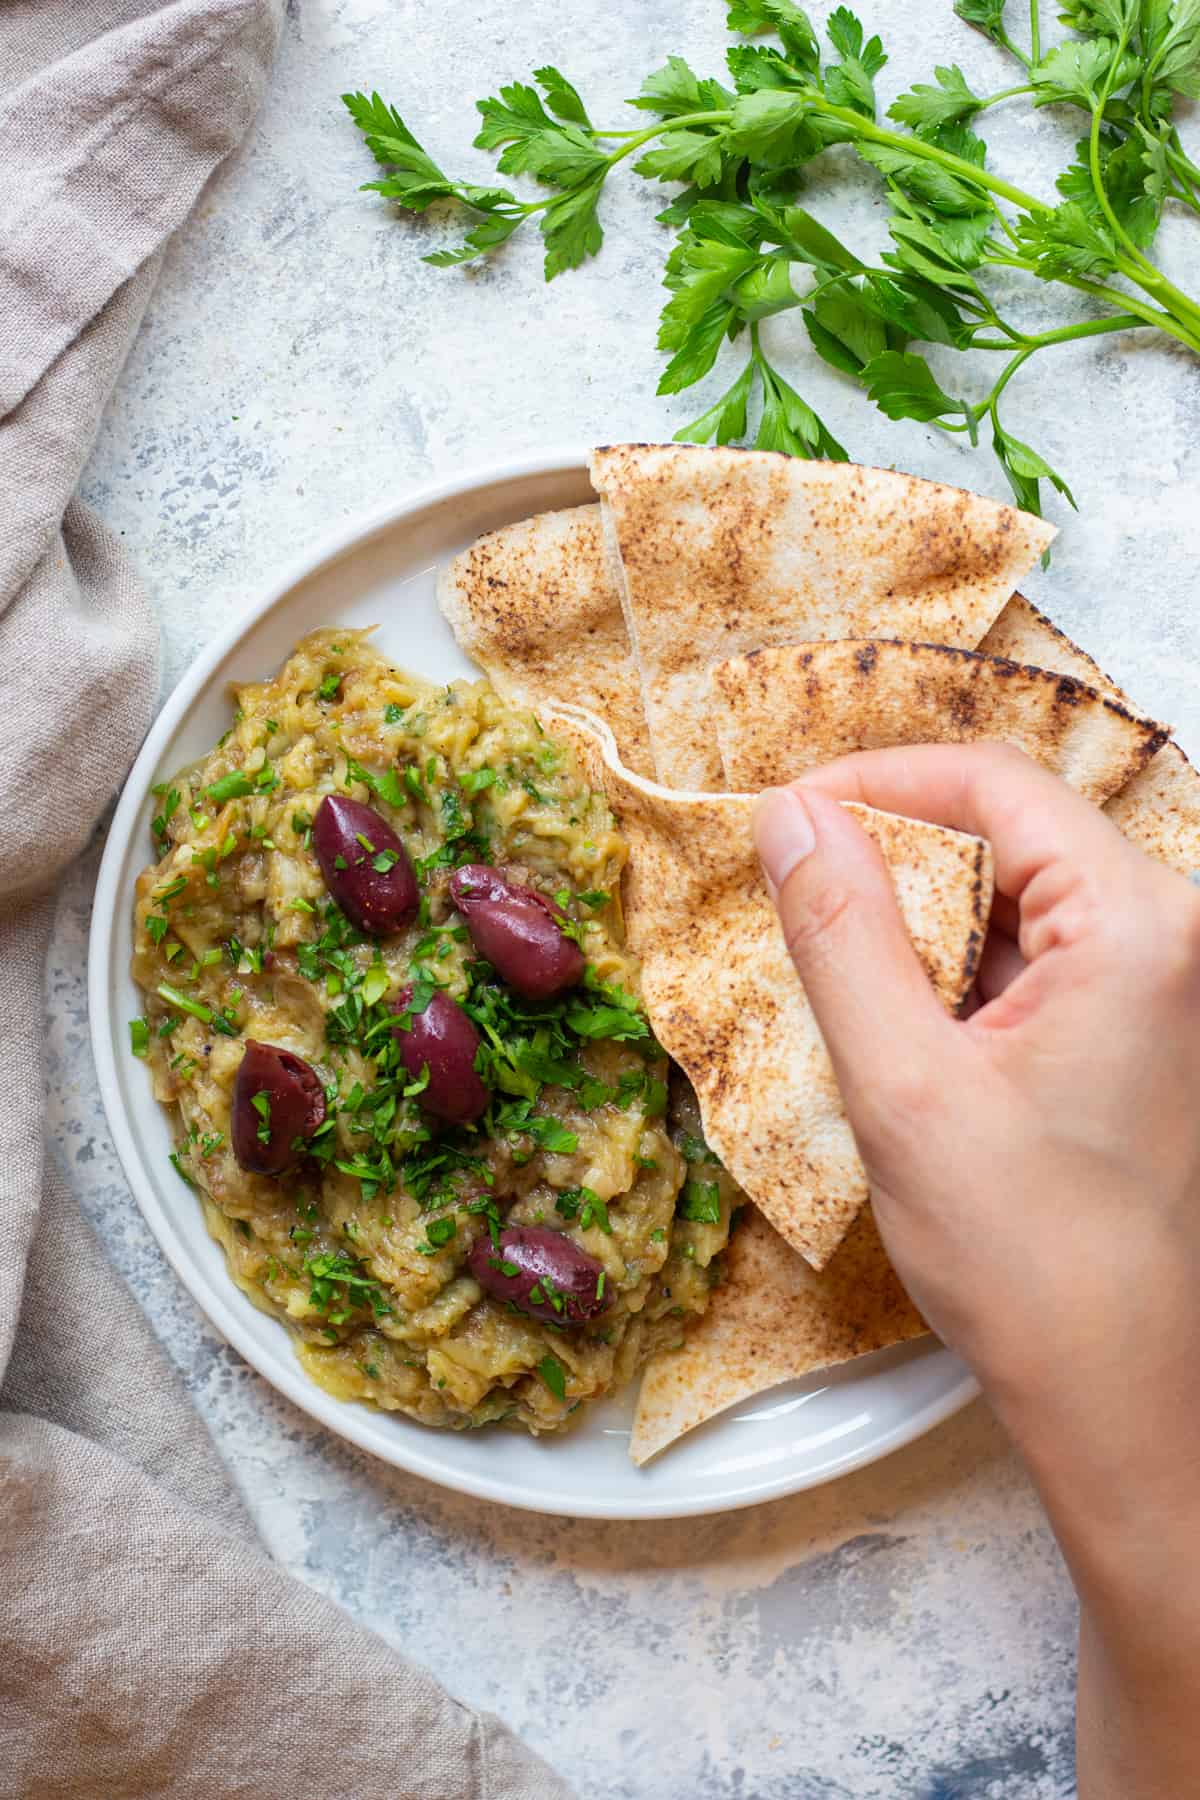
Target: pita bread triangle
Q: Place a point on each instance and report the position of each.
(723, 996)
(783, 710)
(536, 606)
(1159, 809)
(772, 1319)
(719, 551)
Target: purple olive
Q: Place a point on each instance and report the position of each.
(443, 1040)
(366, 867)
(277, 1098)
(551, 1278)
(518, 931)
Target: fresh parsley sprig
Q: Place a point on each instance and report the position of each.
(741, 152)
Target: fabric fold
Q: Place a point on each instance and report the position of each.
(141, 138)
(148, 1646)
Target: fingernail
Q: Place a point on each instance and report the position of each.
(783, 833)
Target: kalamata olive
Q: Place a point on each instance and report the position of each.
(443, 1040)
(277, 1098)
(518, 931)
(366, 867)
(542, 1272)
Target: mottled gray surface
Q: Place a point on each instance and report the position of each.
(907, 1633)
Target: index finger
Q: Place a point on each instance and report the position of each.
(1031, 818)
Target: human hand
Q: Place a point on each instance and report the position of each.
(1035, 1172)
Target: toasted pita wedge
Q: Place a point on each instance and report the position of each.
(537, 607)
(772, 1319)
(719, 551)
(724, 999)
(1159, 809)
(780, 711)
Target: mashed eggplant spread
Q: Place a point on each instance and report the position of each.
(390, 1010)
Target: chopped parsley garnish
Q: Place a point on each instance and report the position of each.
(239, 953)
(392, 714)
(700, 1201)
(554, 1376)
(595, 1212)
(222, 1022)
(174, 998)
(170, 805)
(338, 1281)
(261, 1102)
(385, 787)
(375, 984)
(139, 1037)
(474, 781)
(600, 1011)
(439, 1232)
(518, 1120)
(328, 689)
(230, 787)
(694, 1149)
(569, 1201)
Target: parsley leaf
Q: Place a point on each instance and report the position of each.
(554, 1376)
(700, 1202)
(787, 20)
(1026, 470)
(902, 385)
(924, 108)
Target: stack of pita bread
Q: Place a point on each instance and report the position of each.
(719, 622)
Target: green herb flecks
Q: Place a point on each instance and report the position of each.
(170, 805)
(700, 1202)
(554, 1376)
(261, 1102)
(339, 1287)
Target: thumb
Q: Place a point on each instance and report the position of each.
(873, 1001)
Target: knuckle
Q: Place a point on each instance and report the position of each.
(811, 923)
(897, 1115)
(992, 753)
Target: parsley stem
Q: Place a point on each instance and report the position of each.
(1065, 334)
(1009, 93)
(1035, 32)
(1115, 225)
(173, 997)
(1005, 376)
(968, 172)
(1183, 165)
(1002, 38)
(1146, 315)
(687, 120)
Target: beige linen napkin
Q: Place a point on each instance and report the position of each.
(147, 1645)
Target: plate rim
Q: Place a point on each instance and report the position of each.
(219, 1309)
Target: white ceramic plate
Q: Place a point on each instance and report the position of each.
(381, 571)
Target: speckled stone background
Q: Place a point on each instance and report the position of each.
(906, 1634)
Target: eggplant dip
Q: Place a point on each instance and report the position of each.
(389, 1008)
